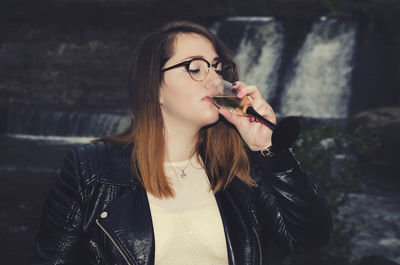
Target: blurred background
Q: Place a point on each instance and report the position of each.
(335, 63)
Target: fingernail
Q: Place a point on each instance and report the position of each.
(240, 94)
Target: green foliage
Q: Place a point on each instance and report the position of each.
(324, 153)
(333, 6)
(364, 143)
(330, 156)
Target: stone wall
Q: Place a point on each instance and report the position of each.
(60, 65)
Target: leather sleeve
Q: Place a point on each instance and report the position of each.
(288, 204)
(60, 229)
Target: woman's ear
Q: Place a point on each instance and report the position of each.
(161, 98)
(161, 94)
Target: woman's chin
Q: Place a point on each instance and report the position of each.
(204, 117)
(210, 118)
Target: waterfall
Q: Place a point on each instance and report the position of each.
(46, 122)
(316, 82)
(320, 83)
(258, 54)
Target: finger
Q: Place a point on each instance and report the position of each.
(262, 107)
(238, 85)
(229, 116)
(251, 91)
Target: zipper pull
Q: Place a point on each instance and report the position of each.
(94, 245)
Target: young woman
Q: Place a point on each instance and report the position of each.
(187, 183)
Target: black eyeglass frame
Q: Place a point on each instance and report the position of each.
(187, 63)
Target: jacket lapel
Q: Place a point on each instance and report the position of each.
(232, 207)
(127, 221)
(128, 224)
(236, 225)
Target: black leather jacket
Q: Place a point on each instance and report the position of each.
(98, 212)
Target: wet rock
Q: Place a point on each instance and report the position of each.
(3, 120)
(381, 145)
(377, 222)
(376, 260)
(385, 124)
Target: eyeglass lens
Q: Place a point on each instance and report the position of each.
(198, 69)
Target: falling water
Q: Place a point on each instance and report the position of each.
(46, 123)
(320, 83)
(258, 54)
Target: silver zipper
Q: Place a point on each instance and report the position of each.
(256, 234)
(259, 245)
(113, 241)
(98, 255)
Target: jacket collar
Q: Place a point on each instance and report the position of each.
(117, 166)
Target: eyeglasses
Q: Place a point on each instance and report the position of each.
(198, 68)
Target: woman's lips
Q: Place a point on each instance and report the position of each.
(207, 98)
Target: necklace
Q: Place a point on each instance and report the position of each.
(183, 173)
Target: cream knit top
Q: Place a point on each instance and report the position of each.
(188, 228)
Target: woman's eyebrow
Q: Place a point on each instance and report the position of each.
(193, 56)
(217, 58)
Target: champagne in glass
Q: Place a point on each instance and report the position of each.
(226, 97)
(284, 134)
(229, 102)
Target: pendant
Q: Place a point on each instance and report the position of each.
(183, 174)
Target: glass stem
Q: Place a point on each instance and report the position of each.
(251, 111)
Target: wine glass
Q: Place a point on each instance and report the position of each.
(284, 133)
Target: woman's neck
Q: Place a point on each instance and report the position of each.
(180, 142)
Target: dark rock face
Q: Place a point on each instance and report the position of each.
(385, 123)
(376, 260)
(380, 164)
(376, 76)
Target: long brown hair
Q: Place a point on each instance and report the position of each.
(219, 144)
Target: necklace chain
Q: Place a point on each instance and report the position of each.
(183, 173)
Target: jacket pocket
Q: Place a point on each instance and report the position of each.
(97, 252)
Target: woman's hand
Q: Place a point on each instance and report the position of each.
(256, 134)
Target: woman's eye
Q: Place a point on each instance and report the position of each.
(194, 71)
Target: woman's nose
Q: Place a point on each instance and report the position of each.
(212, 75)
(213, 72)
(214, 83)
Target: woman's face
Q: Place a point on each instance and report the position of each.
(182, 99)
